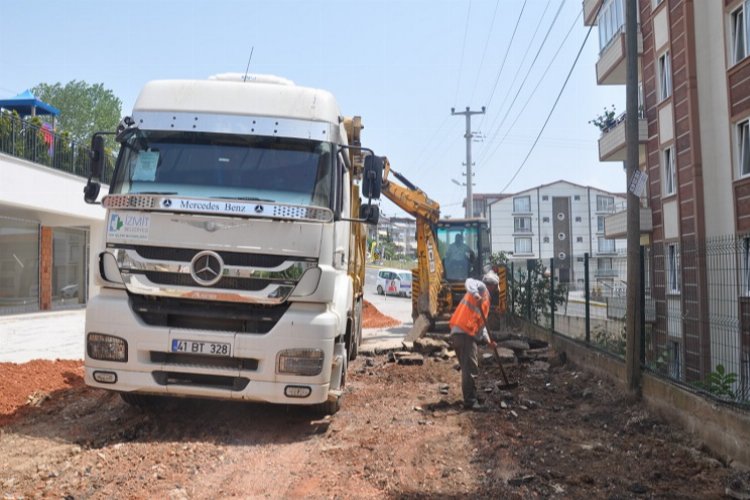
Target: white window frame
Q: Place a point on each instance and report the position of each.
(600, 224)
(673, 268)
(519, 226)
(669, 171)
(605, 203)
(518, 200)
(664, 70)
(742, 135)
(739, 42)
(745, 266)
(518, 250)
(603, 245)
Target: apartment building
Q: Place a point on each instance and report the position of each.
(694, 74)
(564, 221)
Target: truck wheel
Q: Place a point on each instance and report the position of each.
(380, 290)
(330, 407)
(333, 403)
(142, 401)
(356, 333)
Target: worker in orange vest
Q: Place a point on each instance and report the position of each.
(468, 329)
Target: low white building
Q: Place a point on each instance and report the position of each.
(563, 221)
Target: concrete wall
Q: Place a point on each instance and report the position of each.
(724, 429)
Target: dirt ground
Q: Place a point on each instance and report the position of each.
(401, 433)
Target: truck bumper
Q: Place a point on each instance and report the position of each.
(249, 373)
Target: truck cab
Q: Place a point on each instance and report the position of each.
(233, 262)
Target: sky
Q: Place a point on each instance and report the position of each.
(400, 64)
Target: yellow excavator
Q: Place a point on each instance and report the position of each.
(448, 252)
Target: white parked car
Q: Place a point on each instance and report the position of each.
(394, 282)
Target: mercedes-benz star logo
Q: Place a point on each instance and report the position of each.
(166, 203)
(206, 268)
(258, 209)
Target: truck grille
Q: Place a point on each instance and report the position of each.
(213, 316)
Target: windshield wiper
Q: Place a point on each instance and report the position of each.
(242, 198)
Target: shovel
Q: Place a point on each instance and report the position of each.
(493, 345)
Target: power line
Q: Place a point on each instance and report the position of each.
(523, 59)
(484, 52)
(528, 72)
(557, 100)
(463, 49)
(505, 57)
(528, 100)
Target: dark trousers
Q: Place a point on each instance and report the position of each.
(466, 351)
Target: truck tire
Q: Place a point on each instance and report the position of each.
(142, 401)
(333, 404)
(356, 331)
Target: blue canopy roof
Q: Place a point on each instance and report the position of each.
(25, 102)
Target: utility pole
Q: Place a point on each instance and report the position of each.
(633, 325)
(469, 180)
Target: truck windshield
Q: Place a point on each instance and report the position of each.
(226, 166)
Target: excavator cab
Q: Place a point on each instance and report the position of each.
(464, 248)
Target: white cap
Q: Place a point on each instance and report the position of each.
(491, 278)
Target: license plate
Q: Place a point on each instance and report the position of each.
(197, 347)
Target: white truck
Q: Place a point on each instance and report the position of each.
(233, 261)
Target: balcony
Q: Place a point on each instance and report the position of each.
(606, 273)
(610, 68)
(616, 224)
(612, 144)
(590, 8)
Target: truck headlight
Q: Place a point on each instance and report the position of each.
(307, 362)
(106, 347)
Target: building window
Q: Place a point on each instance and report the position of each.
(605, 203)
(611, 21)
(675, 361)
(604, 263)
(745, 266)
(578, 219)
(743, 147)
(579, 239)
(739, 33)
(655, 3)
(670, 177)
(599, 223)
(522, 245)
(522, 224)
(605, 246)
(546, 239)
(577, 197)
(665, 76)
(545, 219)
(522, 204)
(673, 268)
(545, 198)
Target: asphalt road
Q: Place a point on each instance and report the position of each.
(396, 307)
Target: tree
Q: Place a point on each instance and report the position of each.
(84, 109)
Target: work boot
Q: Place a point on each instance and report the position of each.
(475, 406)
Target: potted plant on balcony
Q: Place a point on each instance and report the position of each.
(606, 120)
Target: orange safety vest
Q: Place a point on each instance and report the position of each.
(467, 316)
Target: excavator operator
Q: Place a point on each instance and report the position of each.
(458, 259)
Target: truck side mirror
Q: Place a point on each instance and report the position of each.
(372, 177)
(91, 191)
(369, 213)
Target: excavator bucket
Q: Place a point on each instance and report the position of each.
(419, 329)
